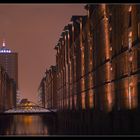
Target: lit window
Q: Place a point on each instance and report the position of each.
(130, 58)
(130, 34)
(90, 48)
(130, 8)
(111, 68)
(130, 16)
(90, 62)
(130, 40)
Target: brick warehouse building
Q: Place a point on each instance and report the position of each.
(47, 89)
(97, 71)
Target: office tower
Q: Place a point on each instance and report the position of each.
(9, 61)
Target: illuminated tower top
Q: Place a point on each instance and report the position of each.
(3, 49)
(3, 43)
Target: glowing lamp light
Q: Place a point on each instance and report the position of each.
(131, 84)
(130, 9)
(90, 62)
(5, 51)
(3, 44)
(130, 34)
(130, 58)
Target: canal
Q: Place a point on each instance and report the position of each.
(71, 123)
(28, 124)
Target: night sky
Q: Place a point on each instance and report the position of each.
(33, 30)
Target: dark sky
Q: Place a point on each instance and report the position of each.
(33, 30)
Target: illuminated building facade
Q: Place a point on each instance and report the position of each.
(98, 60)
(116, 55)
(102, 69)
(70, 61)
(124, 44)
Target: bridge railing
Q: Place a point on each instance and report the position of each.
(30, 108)
(26, 110)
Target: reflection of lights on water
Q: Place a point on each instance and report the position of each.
(27, 119)
(26, 125)
(7, 132)
(46, 130)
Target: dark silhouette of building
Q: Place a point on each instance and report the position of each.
(48, 89)
(7, 91)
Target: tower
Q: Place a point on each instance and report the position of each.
(9, 61)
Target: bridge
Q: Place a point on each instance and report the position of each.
(30, 108)
(29, 111)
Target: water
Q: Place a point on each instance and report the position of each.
(27, 125)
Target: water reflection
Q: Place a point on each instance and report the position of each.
(27, 125)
